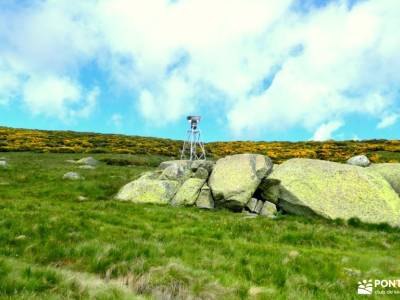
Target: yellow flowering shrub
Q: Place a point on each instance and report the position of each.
(77, 142)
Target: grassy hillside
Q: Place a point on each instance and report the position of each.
(76, 142)
(55, 245)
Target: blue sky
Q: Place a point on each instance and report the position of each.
(255, 70)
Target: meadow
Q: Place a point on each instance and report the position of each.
(55, 244)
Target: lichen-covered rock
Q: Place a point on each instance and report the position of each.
(150, 175)
(251, 204)
(71, 161)
(82, 198)
(268, 190)
(173, 172)
(72, 176)
(391, 172)
(235, 178)
(254, 205)
(359, 160)
(259, 206)
(205, 199)
(189, 166)
(334, 190)
(188, 192)
(87, 167)
(145, 190)
(88, 161)
(201, 173)
(268, 210)
(206, 164)
(182, 163)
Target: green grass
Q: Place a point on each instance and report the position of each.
(387, 156)
(54, 246)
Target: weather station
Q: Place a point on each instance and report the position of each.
(193, 147)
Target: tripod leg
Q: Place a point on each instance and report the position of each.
(192, 145)
(201, 146)
(186, 144)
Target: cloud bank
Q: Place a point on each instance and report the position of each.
(272, 65)
(325, 131)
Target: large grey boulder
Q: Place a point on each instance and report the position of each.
(333, 190)
(188, 192)
(205, 199)
(390, 171)
(235, 178)
(147, 190)
(359, 160)
(87, 161)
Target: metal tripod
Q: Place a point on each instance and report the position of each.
(193, 144)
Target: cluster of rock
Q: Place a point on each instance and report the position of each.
(231, 182)
(251, 182)
(88, 163)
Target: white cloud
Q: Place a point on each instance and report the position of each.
(340, 71)
(262, 63)
(42, 48)
(116, 120)
(167, 103)
(325, 131)
(388, 121)
(50, 96)
(58, 97)
(9, 85)
(48, 37)
(87, 104)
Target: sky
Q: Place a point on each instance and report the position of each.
(253, 69)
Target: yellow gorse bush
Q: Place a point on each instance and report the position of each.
(80, 142)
